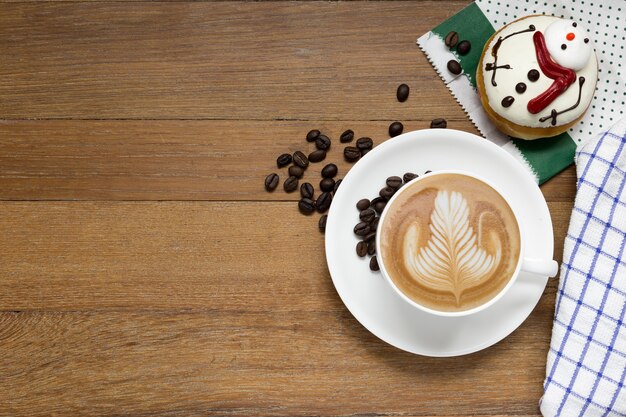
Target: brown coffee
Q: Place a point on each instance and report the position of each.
(450, 242)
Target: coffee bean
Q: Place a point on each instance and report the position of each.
(283, 160)
(454, 67)
(374, 224)
(395, 129)
(323, 202)
(387, 192)
(380, 206)
(312, 135)
(427, 172)
(364, 143)
(306, 206)
(438, 123)
(271, 182)
(329, 171)
(351, 154)
(371, 235)
(361, 229)
(394, 182)
(533, 75)
(317, 156)
(376, 200)
(507, 101)
(296, 171)
(408, 177)
(307, 190)
(361, 249)
(520, 88)
(322, 223)
(371, 247)
(374, 264)
(322, 142)
(346, 136)
(365, 152)
(362, 204)
(337, 183)
(402, 93)
(451, 39)
(464, 47)
(290, 184)
(300, 159)
(327, 184)
(367, 215)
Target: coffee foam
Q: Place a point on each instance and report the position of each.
(450, 242)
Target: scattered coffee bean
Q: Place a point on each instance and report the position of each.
(329, 171)
(387, 192)
(312, 135)
(533, 75)
(374, 264)
(365, 152)
(317, 156)
(371, 235)
(402, 93)
(290, 184)
(322, 142)
(307, 190)
(507, 101)
(361, 249)
(337, 183)
(367, 215)
(364, 143)
(395, 129)
(361, 229)
(374, 224)
(427, 172)
(346, 136)
(376, 200)
(380, 206)
(362, 204)
(327, 184)
(371, 247)
(464, 47)
(409, 176)
(438, 123)
(306, 206)
(271, 182)
(323, 202)
(520, 88)
(283, 160)
(451, 39)
(394, 182)
(454, 67)
(322, 223)
(351, 154)
(300, 159)
(296, 171)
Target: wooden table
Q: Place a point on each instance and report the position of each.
(143, 268)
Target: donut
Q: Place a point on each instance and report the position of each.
(536, 76)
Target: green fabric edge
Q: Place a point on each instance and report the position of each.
(547, 156)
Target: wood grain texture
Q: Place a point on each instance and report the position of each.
(225, 60)
(143, 269)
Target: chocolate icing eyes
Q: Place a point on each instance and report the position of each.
(568, 44)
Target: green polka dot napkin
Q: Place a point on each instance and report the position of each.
(604, 20)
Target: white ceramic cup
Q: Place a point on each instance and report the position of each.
(538, 267)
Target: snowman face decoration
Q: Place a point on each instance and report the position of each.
(568, 44)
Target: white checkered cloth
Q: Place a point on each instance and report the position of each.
(586, 370)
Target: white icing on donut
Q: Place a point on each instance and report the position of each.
(518, 51)
(572, 36)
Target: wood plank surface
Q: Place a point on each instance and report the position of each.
(144, 270)
(120, 308)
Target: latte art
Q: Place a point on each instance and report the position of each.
(449, 242)
(453, 259)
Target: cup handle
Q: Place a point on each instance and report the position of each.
(541, 267)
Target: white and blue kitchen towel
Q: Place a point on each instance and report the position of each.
(586, 369)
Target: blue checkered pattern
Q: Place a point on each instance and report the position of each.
(586, 370)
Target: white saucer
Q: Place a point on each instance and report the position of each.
(369, 297)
